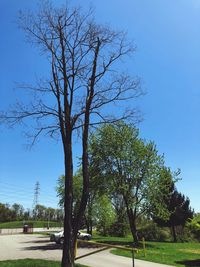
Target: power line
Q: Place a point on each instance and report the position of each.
(18, 188)
(21, 195)
(11, 193)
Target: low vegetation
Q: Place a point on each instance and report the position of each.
(36, 224)
(32, 263)
(177, 254)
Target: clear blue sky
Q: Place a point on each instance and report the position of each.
(167, 35)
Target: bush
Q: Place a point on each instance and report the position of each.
(193, 226)
(152, 232)
(118, 229)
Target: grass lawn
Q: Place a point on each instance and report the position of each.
(177, 254)
(32, 263)
(19, 224)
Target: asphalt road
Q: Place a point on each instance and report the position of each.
(39, 247)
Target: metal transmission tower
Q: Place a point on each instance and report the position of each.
(36, 196)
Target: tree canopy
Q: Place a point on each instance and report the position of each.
(131, 169)
(180, 211)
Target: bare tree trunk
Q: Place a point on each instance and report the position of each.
(68, 245)
(85, 162)
(85, 190)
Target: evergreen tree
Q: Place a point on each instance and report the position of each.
(180, 210)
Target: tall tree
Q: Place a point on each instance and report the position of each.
(83, 79)
(6, 213)
(18, 210)
(96, 194)
(133, 170)
(180, 211)
(39, 212)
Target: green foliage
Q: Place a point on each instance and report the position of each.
(36, 224)
(152, 232)
(180, 211)
(119, 229)
(130, 170)
(99, 209)
(194, 226)
(6, 214)
(130, 166)
(105, 215)
(16, 212)
(77, 188)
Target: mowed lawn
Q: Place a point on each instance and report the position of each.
(177, 254)
(32, 263)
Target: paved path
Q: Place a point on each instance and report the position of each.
(39, 247)
(106, 259)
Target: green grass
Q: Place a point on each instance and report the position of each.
(113, 240)
(19, 224)
(177, 254)
(32, 263)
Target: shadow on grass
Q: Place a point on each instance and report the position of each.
(124, 243)
(119, 243)
(190, 263)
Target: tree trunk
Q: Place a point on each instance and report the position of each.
(133, 228)
(90, 221)
(132, 222)
(174, 233)
(68, 245)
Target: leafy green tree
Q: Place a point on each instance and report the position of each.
(50, 213)
(180, 211)
(59, 215)
(194, 226)
(120, 226)
(18, 211)
(6, 213)
(132, 169)
(27, 215)
(77, 189)
(105, 214)
(96, 196)
(39, 212)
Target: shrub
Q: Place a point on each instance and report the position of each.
(152, 232)
(193, 226)
(118, 229)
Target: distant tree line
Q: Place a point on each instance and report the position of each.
(17, 212)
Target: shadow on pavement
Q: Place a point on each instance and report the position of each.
(190, 263)
(35, 241)
(45, 247)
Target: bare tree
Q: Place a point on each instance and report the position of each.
(84, 78)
